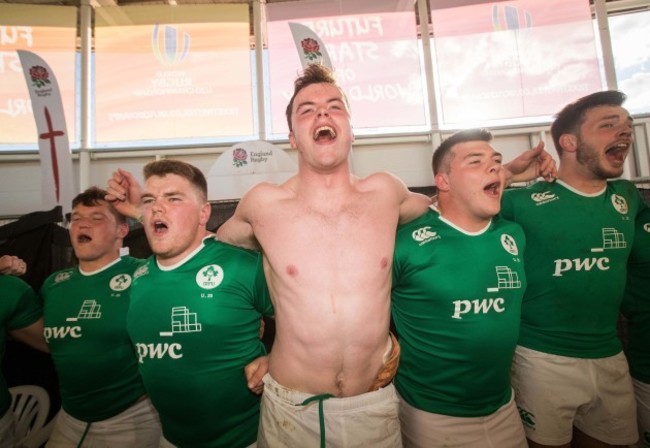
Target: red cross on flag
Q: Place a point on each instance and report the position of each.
(53, 143)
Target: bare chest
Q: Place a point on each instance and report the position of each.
(345, 243)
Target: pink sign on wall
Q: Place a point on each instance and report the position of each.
(512, 60)
(373, 48)
(164, 73)
(52, 36)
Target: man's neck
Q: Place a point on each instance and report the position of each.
(177, 260)
(90, 266)
(316, 185)
(461, 218)
(582, 183)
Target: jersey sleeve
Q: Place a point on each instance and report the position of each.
(26, 307)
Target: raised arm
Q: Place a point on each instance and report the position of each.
(124, 193)
(412, 205)
(238, 229)
(530, 165)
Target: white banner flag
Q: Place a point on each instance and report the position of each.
(53, 143)
(311, 49)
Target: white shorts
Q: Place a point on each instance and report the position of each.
(421, 429)
(137, 426)
(7, 438)
(555, 393)
(642, 393)
(368, 420)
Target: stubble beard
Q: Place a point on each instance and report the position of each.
(588, 157)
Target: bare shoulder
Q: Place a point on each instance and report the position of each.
(411, 205)
(262, 194)
(238, 229)
(385, 181)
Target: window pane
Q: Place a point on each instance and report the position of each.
(512, 62)
(631, 45)
(50, 32)
(162, 74)
(373, 48)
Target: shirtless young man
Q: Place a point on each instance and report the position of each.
(327, 238)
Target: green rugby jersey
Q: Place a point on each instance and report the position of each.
(636, 301)
(85, 327)
(195, 327)
(456, 302)
(576, 257)
(19, 308)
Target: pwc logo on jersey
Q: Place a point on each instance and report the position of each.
(544, 198)
(120, 282)
(89, 309)
(158, 351)
(210, 276)
(620, 204)
(424, 234)
(612, 239)
(183, 321)
(504, 279)
(62, 332)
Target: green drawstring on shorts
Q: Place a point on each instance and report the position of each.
(321, 417)
(83, 436)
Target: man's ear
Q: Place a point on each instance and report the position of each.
(292, 140)
(122, 230)
(204, 217)
(442, 181)
(569, 142)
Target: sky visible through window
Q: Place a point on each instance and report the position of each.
(631, 47)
